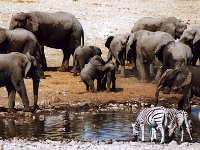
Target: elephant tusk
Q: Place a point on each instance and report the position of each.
(159, 87)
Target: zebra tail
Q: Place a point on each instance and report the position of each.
(165, 118)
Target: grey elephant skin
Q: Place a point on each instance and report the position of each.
(117, 49)
(23, 41)
(191, 37)
(81, 56)
(95, 69)
(171, 25)
(146, 44)
(60, 30)
(109, 78)
(186, 78)
(13, 68)
(174, 55)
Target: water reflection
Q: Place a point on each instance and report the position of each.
(105, 125)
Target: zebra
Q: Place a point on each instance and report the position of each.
(177, 119)
(152, 117)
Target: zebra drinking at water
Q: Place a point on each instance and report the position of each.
(178, 118)
(159, 118)
(154, 118)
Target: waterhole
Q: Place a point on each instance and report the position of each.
(102, 125)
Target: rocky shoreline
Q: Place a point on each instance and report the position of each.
(18, 144)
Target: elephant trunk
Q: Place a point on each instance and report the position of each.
(157, 95)
(35, 92)
(116, 56)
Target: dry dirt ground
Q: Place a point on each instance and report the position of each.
(99, 19)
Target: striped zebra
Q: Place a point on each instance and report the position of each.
(154, 118)
(177, 119)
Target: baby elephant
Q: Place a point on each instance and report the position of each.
(95, 69)
(82, 55)
(109, 77)
(13, 68)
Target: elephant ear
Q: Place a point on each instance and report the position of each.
(2, 35)
(108, 41)
(169, 28)
(130, 42)
(31, 61)
(27, 64)
(32, 22)
(196, 37)
(183, 77)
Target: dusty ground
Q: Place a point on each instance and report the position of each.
(99, 19)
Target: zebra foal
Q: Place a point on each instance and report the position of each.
(154, 118)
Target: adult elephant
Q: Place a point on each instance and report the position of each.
(117, 49)
(81, 56)
(146, 45)
(191, 37)
(13, 68)
(171, 25)
(60, 30)
(186, 78)
(23, 41)
(174, 55)
(95, 69)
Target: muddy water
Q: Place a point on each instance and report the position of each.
(103, 125)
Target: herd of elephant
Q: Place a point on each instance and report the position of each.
(164, 48)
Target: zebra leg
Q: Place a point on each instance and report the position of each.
(182, 133)
(162, 135)
(188, 125)
(153, 134)
(142, 130)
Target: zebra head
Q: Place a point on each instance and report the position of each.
(135, 131)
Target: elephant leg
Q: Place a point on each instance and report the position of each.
(87, 86)
(99, 84)
(75, 66)
(152, 67)
(117, 66)
(65, 63)
(21, 90)
(90, 83)
(43, 59)
(11, 98)
(123, 70)
(103, 82)
(141, 69)
(81, 64)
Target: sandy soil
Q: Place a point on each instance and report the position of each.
(99, 19)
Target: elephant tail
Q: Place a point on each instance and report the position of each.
(82, 36)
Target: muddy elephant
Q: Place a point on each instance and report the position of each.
(95, 69)
(23, 41)
(14, 67)
(174, 55)
(146, 44)
(117, 49)
(171, 25)
(191, 37)
(60, 30)
(186, 78)
(81, 56)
